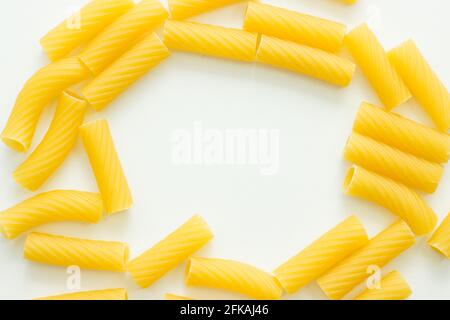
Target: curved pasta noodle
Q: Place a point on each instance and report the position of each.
(107, 294)
(210, 40)
(392, 195)
(305, 60)
(182, 9)
(321, 255)
(127, 69)
(422, 82)
(56, 145)
(169, 296)
(391, 287)
(82, 26)
(373, 60)
(36, 94)
(86, 254)
(52, 206)
(106, 165)
(294, 26)
(393, 163)
(380, 250)
(406, 135)
(115, 39)
(440, 240)
(233, 276)
(170, 252)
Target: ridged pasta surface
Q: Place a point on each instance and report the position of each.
(321, 255)
(423, 83)
(294, 26)
(107, 294)
(170, 252)
(392, 195)
(440, 240)
(120, 35)
(181, 9)
(391, 287)
(169, 296)
(82, 26)
(401, 133)
(390, 162)
(52, 206)
(210, 40)
(373, 60)
(56, 145)
(66, 251)
(305, 60)
(106, 165)
(127, 69)
(233, 276)
(380, 250)
(44, 86)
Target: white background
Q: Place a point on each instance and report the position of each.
(261, 220)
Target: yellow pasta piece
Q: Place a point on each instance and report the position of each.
(106, 165)
(181, 9)
(127, 69)
(393, 163)
(52, 206)
(294, 26)
(440, 241)
(403, 134)
(82, 26)
(373, 60)
(210, 40)
(233, 276)
(422, 82)
(391, 287)
(393, 196)
(107, 294)
(349, 1)
(169, 296)
(322, 254)
(170, 252)
(380, 250)
(37, 93)
(86, 254)
(305, 60)
(119, 36)
(56, 145)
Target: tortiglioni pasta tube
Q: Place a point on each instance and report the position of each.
(210, 40)
(294, 26)
(422, 82)
(305, 60)
(401, 133)
(36, 94)
(380, 250)
(233, 276)
(394, 196)
(170, 252)
(393, 163)
(52, 206)
(56, 145)
(127, 69)
(120, 35)
(372, 59)
(440, 240)
(106, 165)
(182, 9)
(391, 287)
(322, 254)
(82, 26)
(107, 294)
(86, 254)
